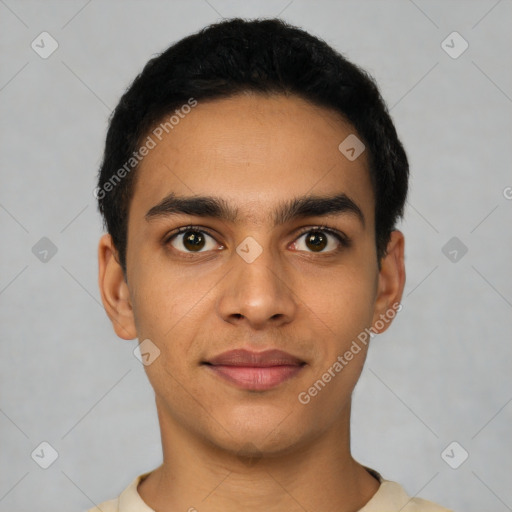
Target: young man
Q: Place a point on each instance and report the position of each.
(250, 186)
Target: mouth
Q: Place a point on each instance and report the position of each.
(255, 371)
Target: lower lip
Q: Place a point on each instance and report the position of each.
(256, 378)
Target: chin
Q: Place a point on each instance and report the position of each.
(260, 431)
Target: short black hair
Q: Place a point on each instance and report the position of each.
(266, 56)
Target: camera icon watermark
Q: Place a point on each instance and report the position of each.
(44, 455)
(454, 45)
(44, 45)
(44, 250)
(249, 249)
(146, 352)
(454, 455)
(351, 147)
(454, 249)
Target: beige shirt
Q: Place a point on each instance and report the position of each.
(390, 497)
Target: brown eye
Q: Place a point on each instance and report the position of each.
(192, 240)
(320, 241)
(316, 241)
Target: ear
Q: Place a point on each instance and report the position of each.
(114, 290)
(391, 283)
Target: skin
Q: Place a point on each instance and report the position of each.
(224, 448)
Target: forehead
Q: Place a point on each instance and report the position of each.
(255, 151)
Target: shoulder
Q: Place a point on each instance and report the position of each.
(391, 497)
(106, 506)
(394, 494)
(421, 505)
(127, 501)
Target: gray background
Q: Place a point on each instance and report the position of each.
(440, 374)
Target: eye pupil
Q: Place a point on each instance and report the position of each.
(317, 240)
(193, 240)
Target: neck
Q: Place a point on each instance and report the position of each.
(318, 475)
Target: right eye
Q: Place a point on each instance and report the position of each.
(192, 239)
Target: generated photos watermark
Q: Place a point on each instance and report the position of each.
(304, 397)
(150, 143)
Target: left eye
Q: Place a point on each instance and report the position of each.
(318, 240)
(193, 241)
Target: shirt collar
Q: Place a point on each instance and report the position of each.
(389, 496)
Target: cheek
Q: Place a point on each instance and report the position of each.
(342, 308)
(168, 307)
(163, 306)
(161, 298)
(342, 299)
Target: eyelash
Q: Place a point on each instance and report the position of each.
(344, 241)
(341, 237)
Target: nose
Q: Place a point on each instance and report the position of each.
(259, 293)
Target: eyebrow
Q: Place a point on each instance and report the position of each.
(219, 208)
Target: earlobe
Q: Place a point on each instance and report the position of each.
(391, 283)
(114, 290)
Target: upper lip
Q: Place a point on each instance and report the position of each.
(247, 358)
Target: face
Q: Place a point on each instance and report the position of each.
(252, 295)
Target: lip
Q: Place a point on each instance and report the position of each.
(256, 371)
